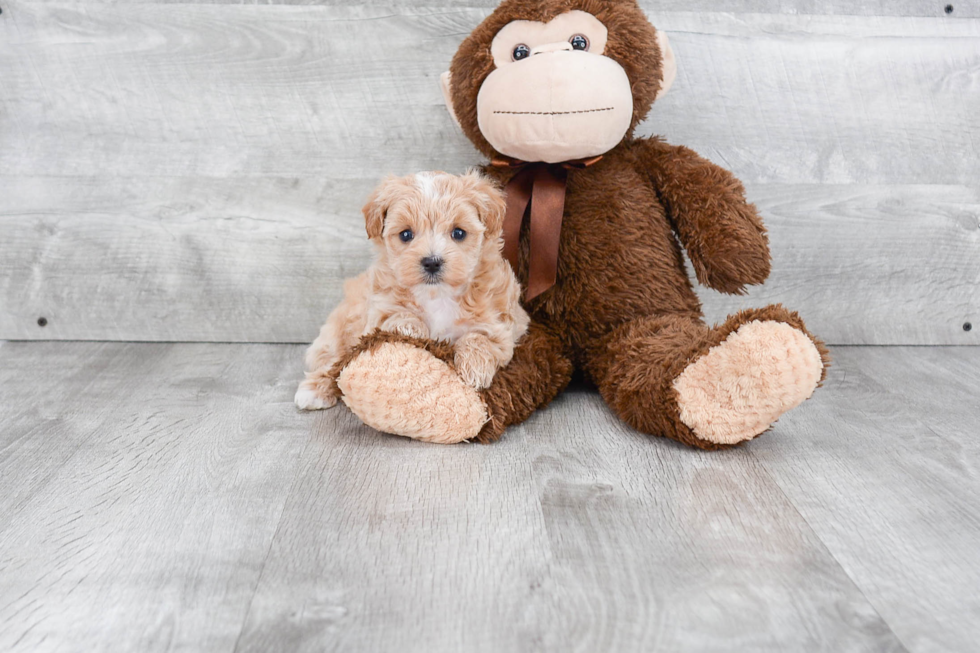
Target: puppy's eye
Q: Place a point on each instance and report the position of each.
(458, 234)
(521, 52)
(406, 236)
(579, 42)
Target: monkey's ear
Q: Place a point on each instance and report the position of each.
(669, 64)
(446, 82)
(376, 209)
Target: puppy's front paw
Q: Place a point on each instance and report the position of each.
(406, 326)
(413, 329)
(475, 365)
(310, 397)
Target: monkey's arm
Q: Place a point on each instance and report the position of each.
(706, 204)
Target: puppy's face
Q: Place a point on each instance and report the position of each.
(433, 228)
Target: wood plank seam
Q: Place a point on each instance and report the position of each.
(775, 482)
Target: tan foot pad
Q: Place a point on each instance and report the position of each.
(741, 386)
(404, 390)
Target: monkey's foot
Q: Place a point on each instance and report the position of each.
(402, 389)
(741, 386)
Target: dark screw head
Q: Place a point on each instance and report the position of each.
(967, 327)
(948, 9)
(42, 321)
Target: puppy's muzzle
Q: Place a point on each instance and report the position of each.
(432, 265)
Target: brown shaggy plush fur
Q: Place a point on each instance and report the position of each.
(539, 370)
(622, 310)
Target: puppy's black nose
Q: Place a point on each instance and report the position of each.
(432, 264)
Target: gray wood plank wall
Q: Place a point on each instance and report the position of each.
(832, 7)
(196, 173)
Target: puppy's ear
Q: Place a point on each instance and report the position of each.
(376, 209)
(489, 202)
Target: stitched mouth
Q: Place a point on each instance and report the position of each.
(553, 113)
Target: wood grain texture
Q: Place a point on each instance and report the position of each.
(890, 447)
(159, 497)
(177, 258)
(262, 259)
(197, 174)
(217, 90)
(573, 533)
(705, 550)
(388, 544)
(870, 265)
(923, 8)
(140, 488)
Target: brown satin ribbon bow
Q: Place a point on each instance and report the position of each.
(542, 185)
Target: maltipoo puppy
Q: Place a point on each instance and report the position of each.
(438, 273)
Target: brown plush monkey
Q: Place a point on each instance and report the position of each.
(551, 91)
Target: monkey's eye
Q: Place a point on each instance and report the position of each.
(458, 234)
(579, 42)
(521, 52)
(406, 236)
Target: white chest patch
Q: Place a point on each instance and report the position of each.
(441, 310)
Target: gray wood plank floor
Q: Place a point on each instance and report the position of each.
(168, 496)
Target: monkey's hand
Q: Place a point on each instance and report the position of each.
(706, 204)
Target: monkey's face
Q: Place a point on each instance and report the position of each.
(554, 96)
(557, 80)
